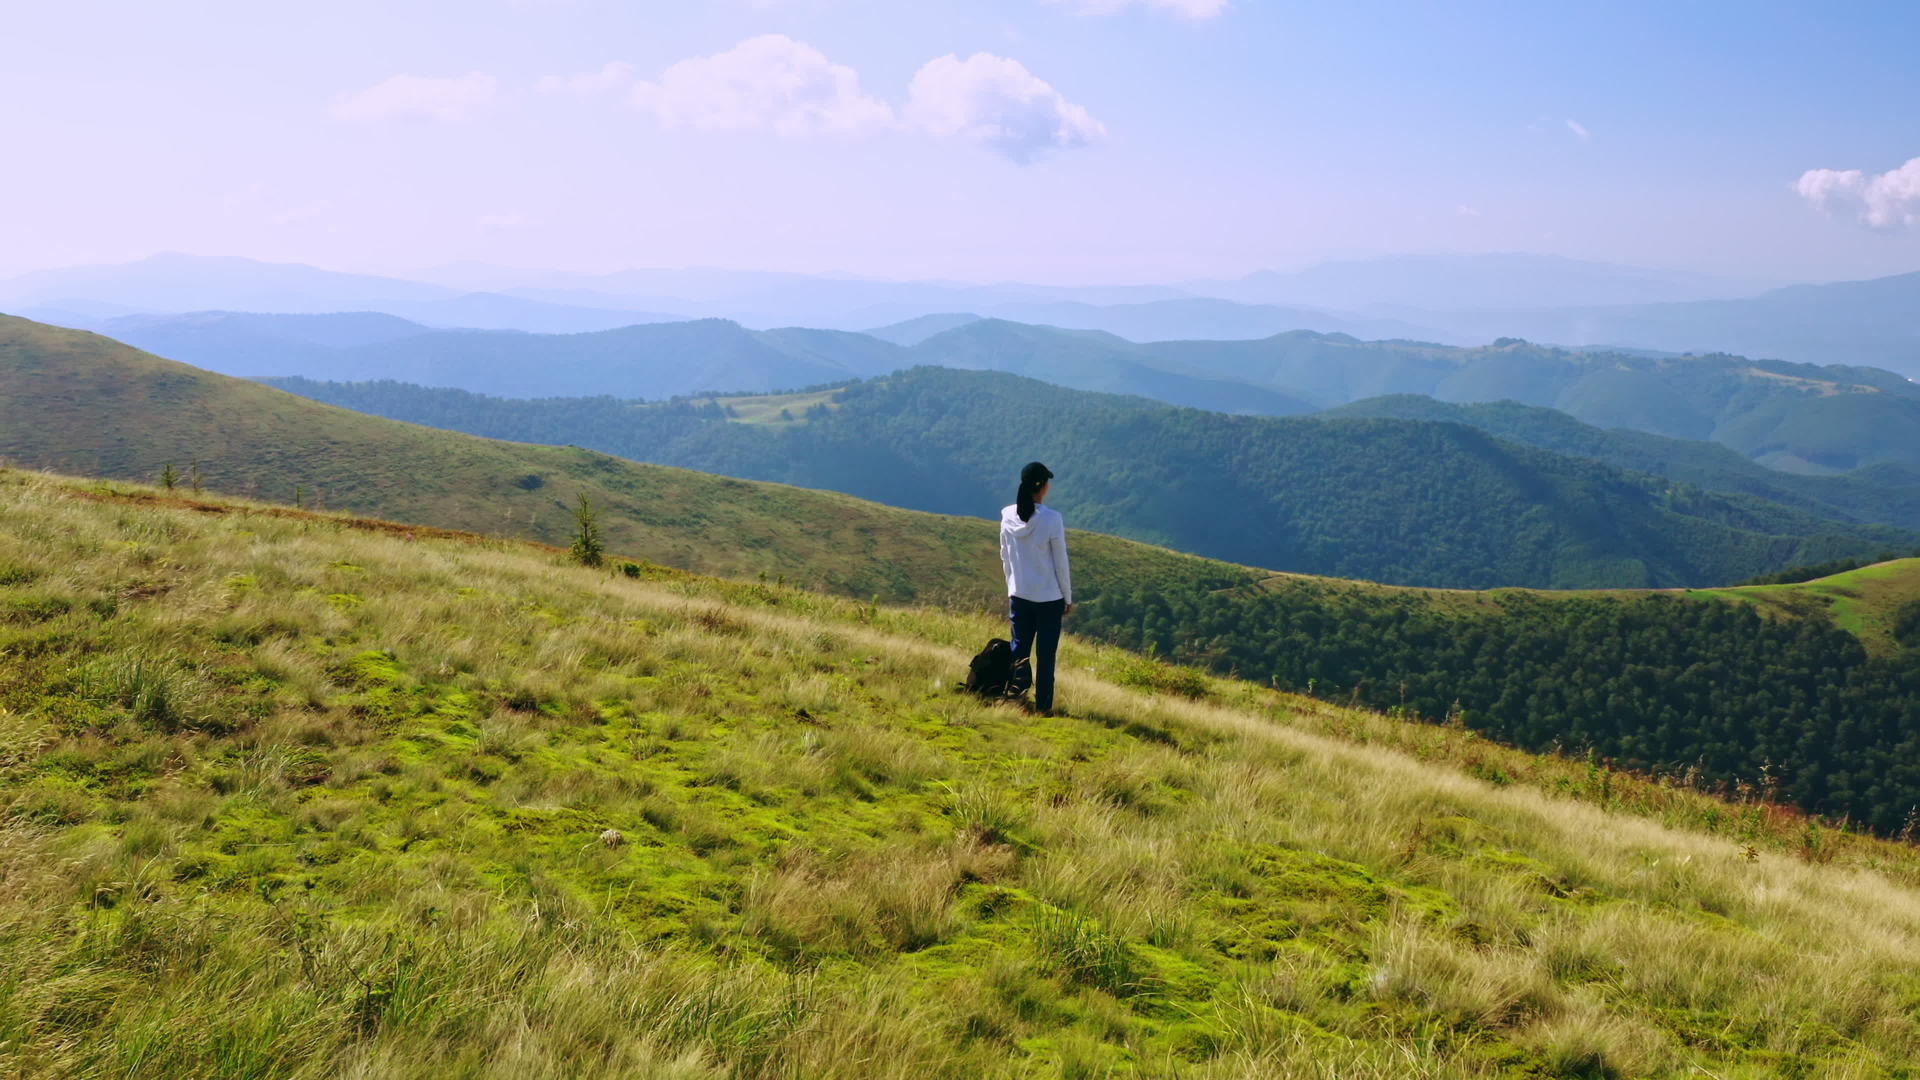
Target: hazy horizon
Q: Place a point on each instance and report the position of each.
(1042, 141)
(429, 273)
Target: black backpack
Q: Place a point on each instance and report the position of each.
(995, 673)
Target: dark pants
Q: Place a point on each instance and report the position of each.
(1036, 634)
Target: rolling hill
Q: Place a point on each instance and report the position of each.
(1889, 494)
(1798, 417)
(1396, 501)
(291, 795)
(1792, 417)
(82, 403)
(1677, 682)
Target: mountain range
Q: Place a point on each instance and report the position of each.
(1792, 417)
(1399, 501)
(1455, 299)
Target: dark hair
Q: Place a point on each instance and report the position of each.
(1032, 479)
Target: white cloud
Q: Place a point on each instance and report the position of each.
(771, 83)
(1189, 9)
(614, 76)
(774, 83)
(1884, 201)
(997, 102)
(1579, 130)
(419, 97)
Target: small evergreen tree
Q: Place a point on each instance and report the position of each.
(586, 549)
(193, 477)
(169, 476)
(299, 497)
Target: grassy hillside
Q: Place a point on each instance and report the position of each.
(1879, 604)
(1709, 690)
(81, 403)
(1396, 501)
(284, 796)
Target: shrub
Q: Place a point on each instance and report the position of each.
(587, 548)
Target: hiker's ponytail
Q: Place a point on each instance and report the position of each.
(1032, 479)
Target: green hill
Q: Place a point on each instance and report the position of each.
(1889, 494)
(1799, 417)
(1712, 690)
(1394, 501)
(81, 403)
(1879, 604)
(281, 795)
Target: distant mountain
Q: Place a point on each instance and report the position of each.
(174, 282)
(496, 311)
(915, 331)
(1453, 282)
(652, 361)
(1192, 319)
(1798, 417)
(243, 343)
(1399, 501)
(1851, 322)
(839, 302)
(86, 297)
(670, 359)
(1098, 361)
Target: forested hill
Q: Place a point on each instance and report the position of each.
(1801, 417)
(1886, 493)
(1384, 500)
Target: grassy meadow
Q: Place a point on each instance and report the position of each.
(1867, 603)
(285, 794)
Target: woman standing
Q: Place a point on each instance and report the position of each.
(1033, 552)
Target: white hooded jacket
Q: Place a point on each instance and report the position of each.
(1034, 555)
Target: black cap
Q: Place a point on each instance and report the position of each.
(1034, 475)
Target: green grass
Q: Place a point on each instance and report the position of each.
(767, 409)
(1865, 602)
(250, 828)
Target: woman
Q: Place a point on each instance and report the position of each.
(1033, 552)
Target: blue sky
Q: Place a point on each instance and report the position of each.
(1049, 140)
